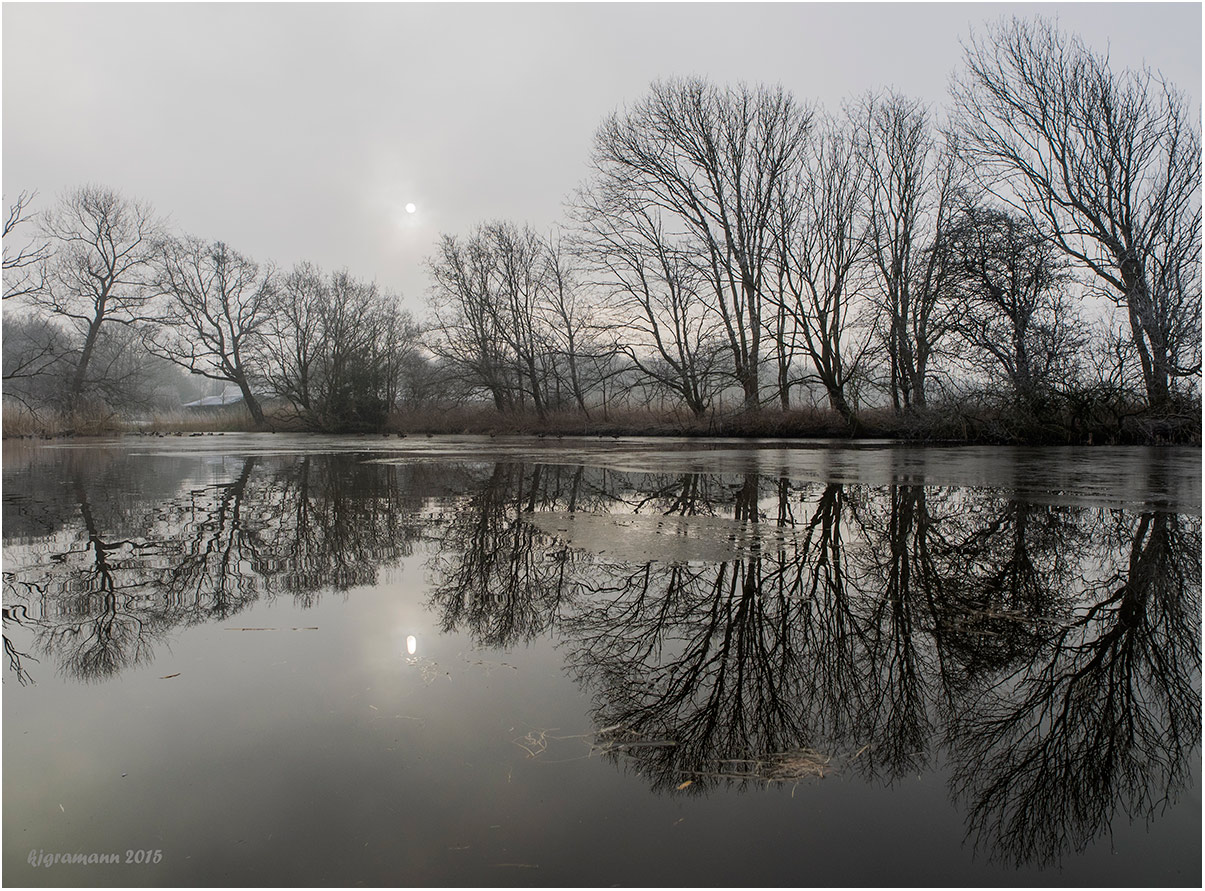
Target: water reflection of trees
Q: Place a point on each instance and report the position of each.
(1105, 716)
(1047, 654)
(337, 520)
(97, 600)
(496, 575)
(954, 587)
(97, 612)
(729, 661)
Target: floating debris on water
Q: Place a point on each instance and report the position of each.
(308, 628)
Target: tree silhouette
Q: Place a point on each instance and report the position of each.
(1106, 716)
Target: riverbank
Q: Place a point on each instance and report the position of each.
(950, 423)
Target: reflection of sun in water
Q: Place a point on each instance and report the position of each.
(411, 208)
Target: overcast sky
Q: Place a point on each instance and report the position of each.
(301, 131)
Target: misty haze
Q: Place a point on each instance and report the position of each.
(602, 444)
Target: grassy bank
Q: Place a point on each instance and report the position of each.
(948, 423)
(20, 423)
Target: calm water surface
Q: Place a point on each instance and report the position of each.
(309, 661)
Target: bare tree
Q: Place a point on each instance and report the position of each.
(100, 273)
(573, 333)
(1108, 164)
(36, 357)
(468, 323)
(24, 268)
(820, 255)
(363, 339)
(293, 336)
(512, 316)
(672, 337)
(912, 180)
(337, 348)
(219, 303)
(708, 162)
(1016, 312)
(518, 293)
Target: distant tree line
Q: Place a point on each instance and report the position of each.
(1032, 250)
(110, 300)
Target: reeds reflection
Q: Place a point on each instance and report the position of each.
(729, 629)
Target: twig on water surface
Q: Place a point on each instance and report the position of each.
(777, 767)
(309, 628)
(538, 740)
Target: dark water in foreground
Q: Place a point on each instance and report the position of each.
(274, 660)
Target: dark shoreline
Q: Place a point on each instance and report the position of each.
(937, 426)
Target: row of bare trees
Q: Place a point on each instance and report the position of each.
(512, 322)
(730, 246)
(104, 292)
(732, 238)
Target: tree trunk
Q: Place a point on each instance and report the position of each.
(784, 382)
(783, 359)
(575, 381)
(918, 386)
(253, 406)
(81, 367)
(1158, 394)
(839, 404)
(534, 377)
(750, 385)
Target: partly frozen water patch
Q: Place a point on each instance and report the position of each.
(637, 538)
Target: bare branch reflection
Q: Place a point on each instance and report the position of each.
(496, 575)
(114, 573)
(1107, 714)
(881, 631)
(730, 628)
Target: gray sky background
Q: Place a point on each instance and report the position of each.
(300, 131)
